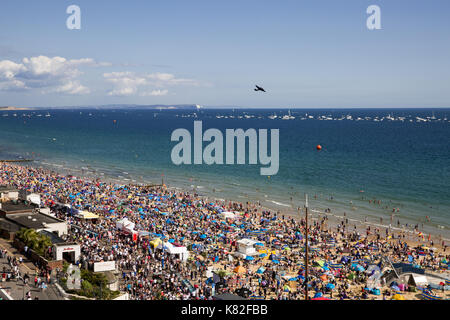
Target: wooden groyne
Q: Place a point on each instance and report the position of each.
(18, 160)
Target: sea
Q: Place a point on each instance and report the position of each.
(388, 166)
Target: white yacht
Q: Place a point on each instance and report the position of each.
(274, 116)
(288, 116)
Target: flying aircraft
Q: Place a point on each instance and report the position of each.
(258, 88)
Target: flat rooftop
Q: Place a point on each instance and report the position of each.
(10, 207)
(32, 220)
(8, 225)
(53, 237)
(5, 188)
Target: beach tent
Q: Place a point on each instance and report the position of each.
(121, 224)
(227, 215)
(260, 270)
(239, 269)
(398, 297)
(416, 280)
(428, 296)
(173, 250)
(376, 292)
(155, 242)
(330, 286)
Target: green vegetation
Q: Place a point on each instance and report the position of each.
(93, 285)
(34, 240)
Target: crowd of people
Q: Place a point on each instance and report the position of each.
(339, 256)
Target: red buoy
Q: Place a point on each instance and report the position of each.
(319, 147)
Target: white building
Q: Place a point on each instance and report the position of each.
(9, 193)
(67, 251)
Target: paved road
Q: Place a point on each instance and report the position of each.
(16, 288)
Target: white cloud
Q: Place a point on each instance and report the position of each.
(155, 93)
(129, 83)
(55, 74)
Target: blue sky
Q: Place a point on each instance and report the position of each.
(304, 53)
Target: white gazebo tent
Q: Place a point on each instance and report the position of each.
(125, 225)
(181, 251)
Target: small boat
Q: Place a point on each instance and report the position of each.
(288, 116)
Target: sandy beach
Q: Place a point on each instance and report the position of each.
(341, 251)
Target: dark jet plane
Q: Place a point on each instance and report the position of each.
(259, 89)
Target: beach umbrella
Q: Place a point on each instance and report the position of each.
(203, 236)
(330, 286)
(262, 255)
(320, 263)
(318, 295)
(249, 258)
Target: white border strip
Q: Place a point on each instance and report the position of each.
(6, 294)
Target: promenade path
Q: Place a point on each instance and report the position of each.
(15, 289)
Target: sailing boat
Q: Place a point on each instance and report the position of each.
(433, 117)
(288, 116)
(274, 116)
